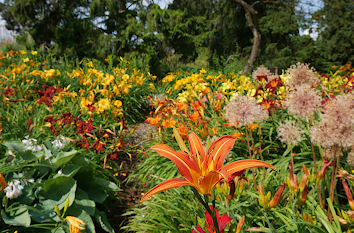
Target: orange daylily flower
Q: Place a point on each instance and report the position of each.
(201, 169)
(252, 126)
(183, 130)
(169, 123)
(194, 117)
(3, 183)
(155, 121)
(75, 224)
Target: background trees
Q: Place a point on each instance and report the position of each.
(187, 34)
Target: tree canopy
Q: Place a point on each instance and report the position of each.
(187, 33)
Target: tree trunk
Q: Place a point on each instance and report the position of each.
(251, 17)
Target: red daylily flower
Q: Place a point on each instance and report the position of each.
(46, 95)
(84, 127)
(222, 222)
(262, 78)
(201, 169)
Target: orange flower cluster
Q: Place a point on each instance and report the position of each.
(170, 113)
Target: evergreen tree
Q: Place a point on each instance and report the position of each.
(336, 37)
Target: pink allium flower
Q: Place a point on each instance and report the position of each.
(302, 74)
(303, 102)
(289, 133)
(332, 153)
(337, 125)
(350, 158)
(244, 110)
(261, 73)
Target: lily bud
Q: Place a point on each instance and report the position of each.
(274, 202)
(304, 195)
(261, 195)
(240, 224)
(293, 179)
(303, 182)
(324, 167)
(348, 193)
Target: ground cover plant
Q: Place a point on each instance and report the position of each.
(259, 153)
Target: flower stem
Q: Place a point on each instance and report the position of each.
(206, 206)
(318, 184)
(250, 153)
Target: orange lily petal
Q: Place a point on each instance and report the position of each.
(218, 150)
(168, 184)
(208, 182)
(245, 164)
(196, 146)
(180, 159)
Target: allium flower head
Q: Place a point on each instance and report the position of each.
(303, 102)
(262, 72)
(337, 125)
(332, 153)
(350, 158)
(302, 74)
(289, 133)
(244, 110)
(14, 189)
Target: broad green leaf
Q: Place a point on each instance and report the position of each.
(63, 158)
(83, 201)
(58, 230)
(106, 184)
(57, 190)
(19, 217)
(101, 218)
(69, 170)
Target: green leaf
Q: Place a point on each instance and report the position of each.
(19, 217)
(19, 151)
(16, 146)
(63, 158)
(58, 230)
(69, 170)
(82, 201)
(101, 218)
(106, 184)
(57, 190)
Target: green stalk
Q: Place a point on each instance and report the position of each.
(205, 204)
(251, 157)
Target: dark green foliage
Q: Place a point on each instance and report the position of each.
(335, 42)
(186, 35)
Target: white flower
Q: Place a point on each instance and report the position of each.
(14, 189)
(60, 142)
(31, 144)
(30, 180)
(60, 172)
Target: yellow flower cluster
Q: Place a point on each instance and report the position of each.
(169, 78)
(101, 92)
(46, 74)
(102, 89)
